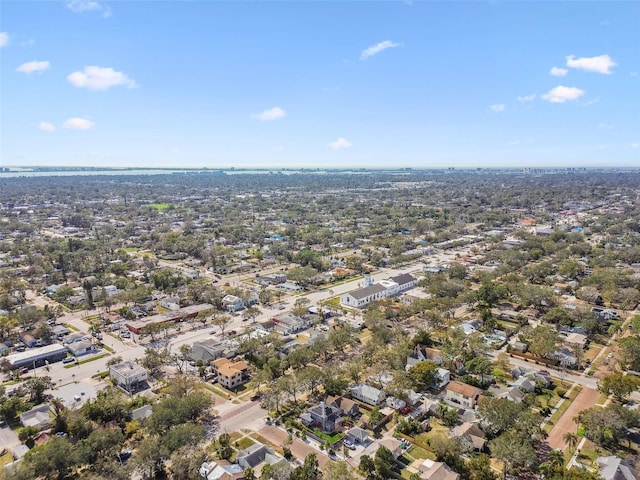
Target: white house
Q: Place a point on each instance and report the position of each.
(231, 303)
(367, 394)
(128, 375)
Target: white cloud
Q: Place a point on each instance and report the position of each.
(635, 145)
(46, 127)
(377, 48)
(274, 113)
(558, 72)
(4, 39)
(562, 94)
(527, 98)
(340, 144)
(498, 107)
(606, 126)
(28, 43)
(279, 149)
(599, 64)
(35, 66)
(82, 6)
(100, 78)
(78, 124)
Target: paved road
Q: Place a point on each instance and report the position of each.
(587, 398)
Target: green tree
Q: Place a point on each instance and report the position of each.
(619, 385)
(51, 460)
(423, 374)
(150, 456)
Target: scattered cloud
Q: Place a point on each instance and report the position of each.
(498, 107)
(4, 39)
(330, 89)
(605, 23)
(606, 126)
(100, 78)
(635, 145)
(377, 48)
(558, 72)
(633, 74)
(46, 127)
(77, 123)
(279, 149)
(83, 6)
(590, 102)
(35, 66)
(599, 64)
(340, 143)
(562, 94)
(527, 98)
(275, 113)
(28, 43)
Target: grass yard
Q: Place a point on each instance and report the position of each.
(246, 442)
(570, 397)
(161, 207)
(5, 458)
(214, 390)
(97, 357)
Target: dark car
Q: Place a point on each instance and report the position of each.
(232, 332)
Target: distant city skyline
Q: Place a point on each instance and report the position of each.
(320, 84)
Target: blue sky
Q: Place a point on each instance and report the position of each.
(319, 84)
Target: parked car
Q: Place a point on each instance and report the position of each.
(68, 360)
(349, 444)
(232, 332)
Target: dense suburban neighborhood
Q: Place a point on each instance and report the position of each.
(434, 325)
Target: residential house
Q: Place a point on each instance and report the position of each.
(39, 417)
(221, 470)
(395, 403)
(128, 375)
(462, 394)
(80, 348)
(230, 374)
(431, 470)
(142, 413)
(231, 303)
(208, 350)
(470, 436)
(443, 377)
(615, 468)
(422, 353)
(170, 303)
(323, 416)
(358, 435)
(256, 454)
(513, 394)
(367, 394)
(346, 405)
(566, 357)
(393, 444)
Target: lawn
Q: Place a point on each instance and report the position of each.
(160, 206)
(245, 442)
(213, 389)
(332, 439)
(5, 458)
(570, 397)
(97, 357)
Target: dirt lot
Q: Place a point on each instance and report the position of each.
(587, 398)
(299, 449)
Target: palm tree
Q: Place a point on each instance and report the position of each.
(555, 460)
(570, 440)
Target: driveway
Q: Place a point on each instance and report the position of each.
(8, 438)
